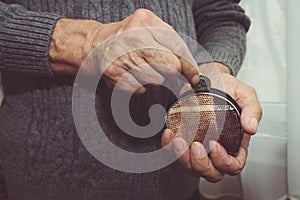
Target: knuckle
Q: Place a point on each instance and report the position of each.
(174, 66)
(214, 179)
(111, 72)
(257, 110)
(135, 38)
(205, 169)
(140, 91)
(169, 60)
(228, 165)
(142, 14)
(237, 172)
(260, 111)
(164, 59)
(199, 167)
(192, 71)
(109, 83)
(251, 90)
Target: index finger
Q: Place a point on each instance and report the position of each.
(172, 41)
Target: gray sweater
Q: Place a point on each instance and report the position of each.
(41, 153)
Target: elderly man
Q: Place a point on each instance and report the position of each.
(43, 44)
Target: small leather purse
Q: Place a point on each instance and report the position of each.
(205, 114)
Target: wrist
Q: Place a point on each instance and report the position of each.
(222, 68)
(70, 44)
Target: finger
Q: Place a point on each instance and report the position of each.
(168, 64)
(251, 115)
(225, 162)
(145, 18)
(245, 141)
(63, 67)
(202, 165)
(167, 137)
(186, 87)
(251, 110)
(162, 60)
(118, 78)
(181, 150)
(247, 99)
(189, 68)
(143, 72)
(112, 83)
(178, 47)
(164, 35)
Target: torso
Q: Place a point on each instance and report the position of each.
(37, 133)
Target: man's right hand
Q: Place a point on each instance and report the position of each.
(73, 40)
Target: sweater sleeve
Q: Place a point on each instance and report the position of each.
(221, 27)
(24, 39)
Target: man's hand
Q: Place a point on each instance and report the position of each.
(73, 40)
(213, 167)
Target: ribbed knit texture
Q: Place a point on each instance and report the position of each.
(25, 38)
(41, 154)
(221, 30)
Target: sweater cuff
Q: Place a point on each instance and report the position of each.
(226, 58)
(24, 39)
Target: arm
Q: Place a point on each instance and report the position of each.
(45, 43)
(73, 40)
(221, 29)
(24, 39)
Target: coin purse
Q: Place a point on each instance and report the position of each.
(206, 114)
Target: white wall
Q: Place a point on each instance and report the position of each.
(265, 68)
(293, 97)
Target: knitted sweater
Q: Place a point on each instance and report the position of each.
(41, 153)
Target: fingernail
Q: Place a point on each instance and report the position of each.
(179, 145)
(167, 135)
(213, 146)
(254, 124)
(195, 79)
(197, 150)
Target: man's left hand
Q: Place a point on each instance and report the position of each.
(196, 160)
